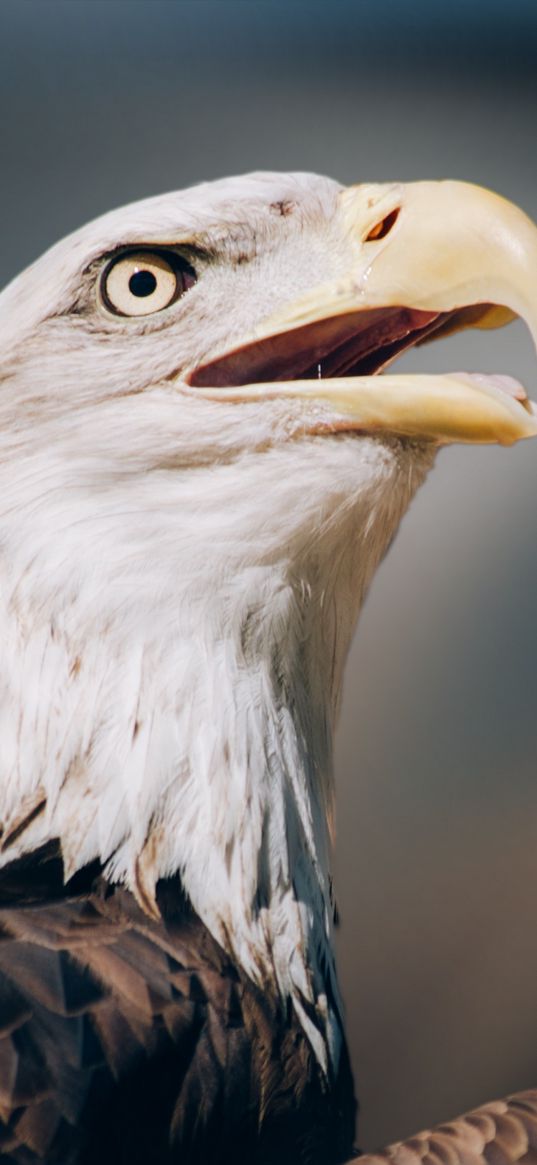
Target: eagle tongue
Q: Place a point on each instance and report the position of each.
(503, 383)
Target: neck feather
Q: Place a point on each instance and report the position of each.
(171, 702)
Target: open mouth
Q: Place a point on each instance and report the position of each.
(344, 355)
(360, 343)
(356, 344)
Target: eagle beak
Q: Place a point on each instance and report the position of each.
(422, 260)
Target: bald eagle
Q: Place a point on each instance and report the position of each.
(200, 471)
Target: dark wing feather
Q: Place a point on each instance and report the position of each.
(501, 1133)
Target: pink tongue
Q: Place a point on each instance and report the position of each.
(506, 384)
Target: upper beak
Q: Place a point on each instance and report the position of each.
(457, 253)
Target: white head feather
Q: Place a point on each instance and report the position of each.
(180, 580)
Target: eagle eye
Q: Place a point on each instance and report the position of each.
(141, 283)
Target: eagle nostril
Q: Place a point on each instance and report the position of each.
(383, 228)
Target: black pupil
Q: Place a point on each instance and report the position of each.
(142, 283)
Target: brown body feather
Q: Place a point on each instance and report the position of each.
(126, 1040)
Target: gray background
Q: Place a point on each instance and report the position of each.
(105, 102)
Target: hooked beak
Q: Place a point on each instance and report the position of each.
(424, 260)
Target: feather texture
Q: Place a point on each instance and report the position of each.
(126, 1039)
(500, 1133)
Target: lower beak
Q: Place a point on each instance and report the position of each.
(460, 254)
(462, 407)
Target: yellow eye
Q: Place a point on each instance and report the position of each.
(144, 282)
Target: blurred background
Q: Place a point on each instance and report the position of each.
(107, 101)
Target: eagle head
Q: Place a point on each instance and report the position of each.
(201, 468)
